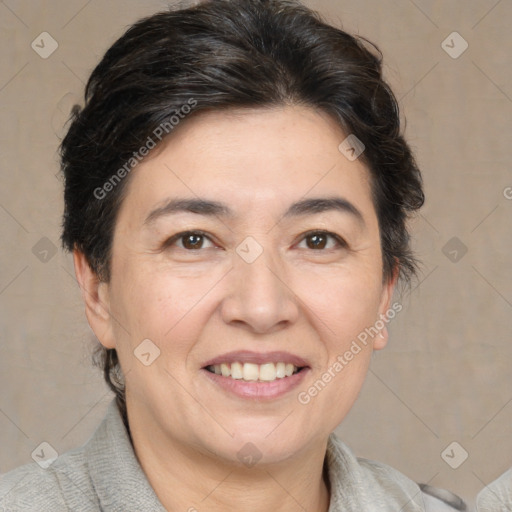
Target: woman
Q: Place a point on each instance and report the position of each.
(237, 190)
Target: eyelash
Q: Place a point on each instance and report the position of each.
(341, 243)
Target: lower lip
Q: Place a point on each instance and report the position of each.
(256, 389)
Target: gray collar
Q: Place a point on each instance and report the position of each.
(116, 474)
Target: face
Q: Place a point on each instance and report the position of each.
(247, 245)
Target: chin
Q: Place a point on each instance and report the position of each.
(263, 446)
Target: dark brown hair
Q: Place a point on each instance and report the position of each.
(229, 54)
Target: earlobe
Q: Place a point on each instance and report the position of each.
(381, 340)
(96, 299)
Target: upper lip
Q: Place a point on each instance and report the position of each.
(246, 356)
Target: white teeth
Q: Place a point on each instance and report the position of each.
(268, 372)
(225, 369)
(251, 372)
(237, 371)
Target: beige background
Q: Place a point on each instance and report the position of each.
(445, 375)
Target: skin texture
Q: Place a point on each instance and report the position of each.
(196, 304)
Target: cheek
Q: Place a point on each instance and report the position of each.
(343, 304)
(159, 306)
(341, 309)
(168, 312)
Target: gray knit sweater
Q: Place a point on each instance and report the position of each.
(104, 475)
(497, 496)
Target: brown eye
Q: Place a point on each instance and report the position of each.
(188, 240)
(319, 240)
(192, 241)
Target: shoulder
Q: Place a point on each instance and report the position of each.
(64, 485)
(388, 486)
(433, 498)
(103, 474)
(30, 487)
(497, 496)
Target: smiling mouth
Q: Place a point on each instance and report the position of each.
(251, 372)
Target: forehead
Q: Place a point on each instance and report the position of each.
(252, 160)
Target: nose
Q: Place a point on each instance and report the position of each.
(260, 296)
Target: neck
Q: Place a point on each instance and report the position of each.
(190, 480)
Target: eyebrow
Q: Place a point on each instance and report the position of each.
(214, 208)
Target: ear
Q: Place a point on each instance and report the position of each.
(388, 287)
(95, 294)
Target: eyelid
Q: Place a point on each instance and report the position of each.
(339, 240)
(174, 238)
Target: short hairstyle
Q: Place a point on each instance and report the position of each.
(219, 55)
